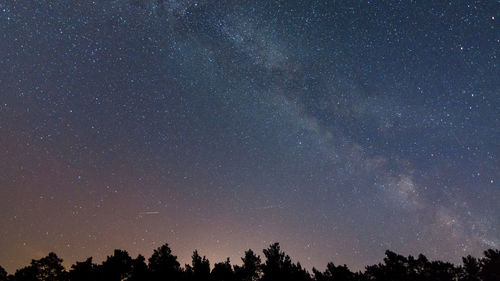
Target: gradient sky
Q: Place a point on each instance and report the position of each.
(338, 128)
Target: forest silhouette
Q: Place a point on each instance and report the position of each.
(275, 265)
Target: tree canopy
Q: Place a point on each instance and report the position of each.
(276, 266)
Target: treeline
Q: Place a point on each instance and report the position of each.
(275, 266)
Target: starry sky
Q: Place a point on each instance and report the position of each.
(338, 128)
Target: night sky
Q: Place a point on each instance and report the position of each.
(338, 128)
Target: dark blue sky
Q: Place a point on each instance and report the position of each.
(338, 128)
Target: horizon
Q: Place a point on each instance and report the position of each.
(308, 268)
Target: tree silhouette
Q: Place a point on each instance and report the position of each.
(163, 265)
(116, 267)
(199, 270)
(49, 268)
(397, 267)
(490, 265)
(83, 271)
(3, 274)
(443, 271)
(334, 273)
(28, 273)
(139, 269)
(278, 266)
(251, 270)
(470, 270)
(298, 273)
(222, 271)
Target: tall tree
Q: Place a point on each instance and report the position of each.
(251, 270)
(48, 268)
(279, 266)
(470, 269)
(199, 270)
(116, 267)
(163, 265)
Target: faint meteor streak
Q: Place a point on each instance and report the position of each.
(149, 213)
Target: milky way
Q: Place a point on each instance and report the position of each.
(338, 128)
